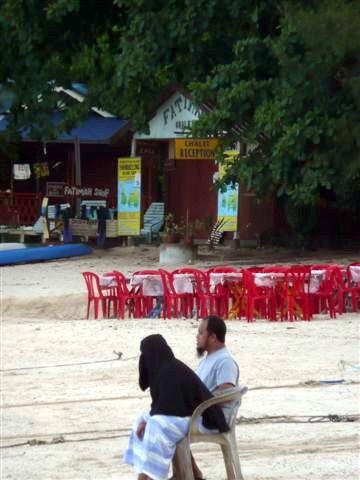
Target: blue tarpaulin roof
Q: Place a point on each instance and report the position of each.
(93, 129)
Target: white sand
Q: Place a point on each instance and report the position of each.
(89, 405)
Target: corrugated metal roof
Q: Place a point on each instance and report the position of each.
(93, 129)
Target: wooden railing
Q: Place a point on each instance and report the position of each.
(19, 208)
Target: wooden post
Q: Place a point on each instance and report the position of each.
(237, 242)
(77, 171)
(130, 241)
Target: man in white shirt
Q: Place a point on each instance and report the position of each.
(218, 370)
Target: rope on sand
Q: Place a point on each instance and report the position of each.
(299, 419)
(119, 356)
(34, 442)
(310, 383)
(332, 418)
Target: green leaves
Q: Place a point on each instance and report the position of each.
(280, 75)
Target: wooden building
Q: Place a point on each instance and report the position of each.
(183, 180)
(85, 157)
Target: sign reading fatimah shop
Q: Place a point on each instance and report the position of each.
(129, 195)
(173, 119)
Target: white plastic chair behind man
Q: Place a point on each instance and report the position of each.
(227, 441)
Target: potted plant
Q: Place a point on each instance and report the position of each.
(172, 230)
(192, 229)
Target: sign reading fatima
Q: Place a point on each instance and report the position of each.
(129, 195)
(195, 148)
(228, 200)
(173, 119)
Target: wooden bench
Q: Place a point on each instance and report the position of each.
(21, 233)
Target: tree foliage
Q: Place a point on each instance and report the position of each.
(280, 75)
(296, 96)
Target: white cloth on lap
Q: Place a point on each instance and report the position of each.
(152, 455)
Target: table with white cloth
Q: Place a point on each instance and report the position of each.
(355, 273)
(265, 279)
(152, 284)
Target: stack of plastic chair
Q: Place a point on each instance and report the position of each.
(295, 301)
(97, 294)
(175, 304)
(260, 300)
(323, 300)
(133, 302)
(209, 303)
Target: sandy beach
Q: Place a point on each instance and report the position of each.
(68, 402)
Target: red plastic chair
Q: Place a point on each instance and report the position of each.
(132, 301)
(323, 300)
(222, 269)
(346, 288)
(225, 288)
(209, 303)
(97, 294)
(321, 266)
(175, 304)
(296, 296)
(255, 269)
(192, 298)
(263, 297)
(275, 269)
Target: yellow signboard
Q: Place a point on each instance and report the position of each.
(195, 148)
(129, 195)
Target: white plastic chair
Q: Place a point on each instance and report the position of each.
(227, 441)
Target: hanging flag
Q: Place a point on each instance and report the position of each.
(21, 171)
(41, 169)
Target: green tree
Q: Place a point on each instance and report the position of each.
(280, 75)
(296, 98)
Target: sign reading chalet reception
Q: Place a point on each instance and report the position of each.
(195, 148)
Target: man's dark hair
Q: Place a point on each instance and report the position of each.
(216, 325)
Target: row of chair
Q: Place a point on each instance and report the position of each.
(288, 298)
(120, 299)
(292, 297)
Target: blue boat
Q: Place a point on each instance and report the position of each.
(40, 254)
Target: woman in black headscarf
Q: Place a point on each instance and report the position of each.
(175, 392)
